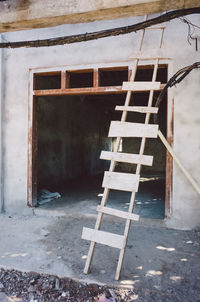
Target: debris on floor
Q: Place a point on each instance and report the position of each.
(44, 232)
(47, 196)
(35, 287)
(17, 286)
(106, 298)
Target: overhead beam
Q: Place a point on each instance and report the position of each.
(21, 15)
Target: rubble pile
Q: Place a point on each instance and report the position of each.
(35, 287)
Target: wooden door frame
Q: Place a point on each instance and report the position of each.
(32, 118)
(170, 139)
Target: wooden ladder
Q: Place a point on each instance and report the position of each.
(125, 181)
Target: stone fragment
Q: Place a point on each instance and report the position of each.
(44, 232)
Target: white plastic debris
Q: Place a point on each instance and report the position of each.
(44, 232)
(65, 294)
(104, 299)
(47, 196)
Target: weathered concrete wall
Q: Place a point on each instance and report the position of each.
(185, 202)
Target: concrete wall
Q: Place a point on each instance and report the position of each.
(185, 205)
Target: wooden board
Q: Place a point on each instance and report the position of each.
(121, 181)
(156, 27)
(139, 109)
(146, 160)
(125, 129)
(118, 213)
(21, 15)
(141, 86)
(101, 237)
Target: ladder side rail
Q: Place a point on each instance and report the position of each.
(150, 101)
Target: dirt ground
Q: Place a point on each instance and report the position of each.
(160, 264)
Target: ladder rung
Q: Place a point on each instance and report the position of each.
(121, 181)
(125, 129)
(141, 86)
(146, 160)
(105, 238)
(139, 109)
(149, 55)
(118, 213)
(156, 27)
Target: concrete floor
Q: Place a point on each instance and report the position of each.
(156, 257)
(83, 195)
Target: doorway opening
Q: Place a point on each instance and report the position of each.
(72, 130)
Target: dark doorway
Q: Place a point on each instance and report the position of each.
(72, 130)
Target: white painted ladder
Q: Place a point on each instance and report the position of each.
(125, 181)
